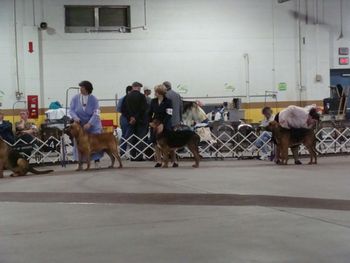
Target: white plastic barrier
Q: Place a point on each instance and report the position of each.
(226, 144)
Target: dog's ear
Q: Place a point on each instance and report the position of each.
(152, 124)
(159, 128)
(272, 126)
(67, 129)
(155, 123)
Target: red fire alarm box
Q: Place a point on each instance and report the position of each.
(33, 106)
(344, 61)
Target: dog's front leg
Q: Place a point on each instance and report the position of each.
(194, 149)
(313, 154)
(284, 154)
(88, 160)
(80, 161)
(277, 154)
(119, 160)
(2, 166)
(284, 145)
(295, 151)
(166, 153)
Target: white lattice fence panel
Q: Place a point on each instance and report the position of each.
(222, 145)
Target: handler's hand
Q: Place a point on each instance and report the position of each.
(87, 126)
(160, 128)
(132, 121)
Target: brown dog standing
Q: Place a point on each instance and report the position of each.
(88, 144)
(169, 141)
(286, 139)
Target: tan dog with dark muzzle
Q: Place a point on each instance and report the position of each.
(88, 144)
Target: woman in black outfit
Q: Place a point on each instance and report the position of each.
(161, 110)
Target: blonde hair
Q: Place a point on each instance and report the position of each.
(160, 89)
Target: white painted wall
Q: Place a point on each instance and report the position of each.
(196, 43)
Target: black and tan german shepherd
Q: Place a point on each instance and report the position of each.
(169, 141)
(12, 160)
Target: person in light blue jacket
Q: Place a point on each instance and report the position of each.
(85, 110)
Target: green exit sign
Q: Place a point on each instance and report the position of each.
(282, 86)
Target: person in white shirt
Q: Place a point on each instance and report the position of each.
(297, 117)
(265, 136)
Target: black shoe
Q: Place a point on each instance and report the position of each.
(175, 165)
(298, 162)
(158, 165)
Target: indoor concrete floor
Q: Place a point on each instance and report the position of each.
(224, 211)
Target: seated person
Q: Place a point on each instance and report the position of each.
(25, 129)
(6, 132)
(265, 136)
(193, 114)
(297, 117)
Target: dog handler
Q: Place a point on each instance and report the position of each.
(297, 117)
(161, 109)
(85, 109)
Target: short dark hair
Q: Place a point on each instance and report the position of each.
(128, 89)
(314, 114)
(266, 109)
(87, 85)
(137, 85)
(167, 84)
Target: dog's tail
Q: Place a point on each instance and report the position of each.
(34, 171)
(197, 139)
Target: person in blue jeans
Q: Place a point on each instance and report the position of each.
(265, 136)
(124, 124)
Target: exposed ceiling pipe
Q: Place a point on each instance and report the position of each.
(273, 45)
(306, 13)
(341, 21)
(300, 54)
(247, 75)
(145, 13)
(18, 92)
(33, 12)
(316, 15)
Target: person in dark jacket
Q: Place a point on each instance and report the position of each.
(161, 109)
(6, 132)
(124, 123)
(177, 103)
(134, 108)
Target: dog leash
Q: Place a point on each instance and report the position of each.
(63, 151)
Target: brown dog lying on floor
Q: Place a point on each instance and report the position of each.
(12, 160)
(88, 144)
(286, 139)
(169, 141)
